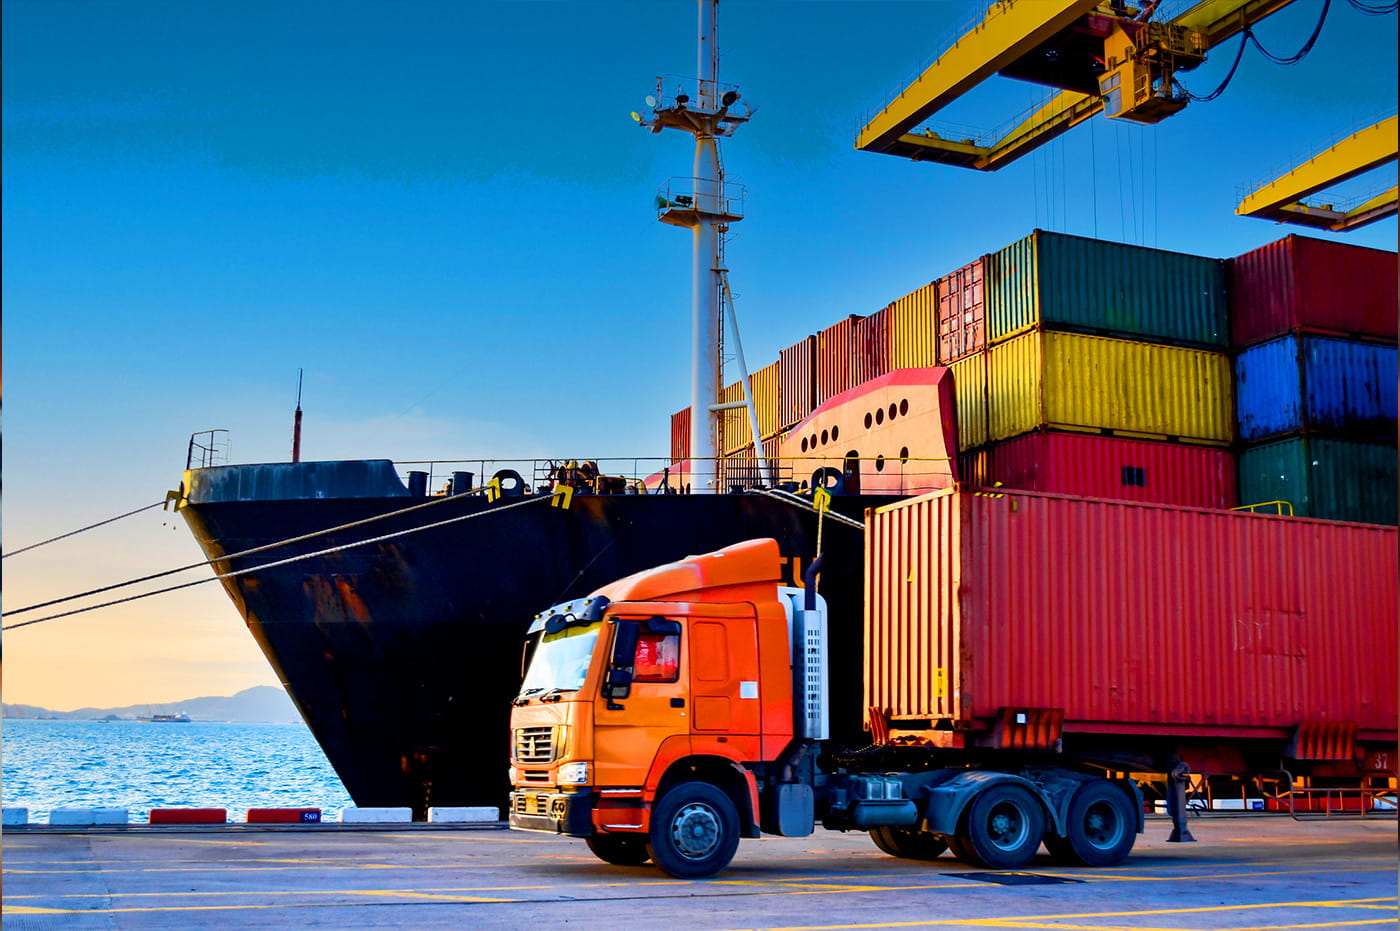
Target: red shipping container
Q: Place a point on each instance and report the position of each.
(961, 313)
(835, 350)
(680, 435)
(1134, 620)
(1107, 467)
(1311, 285)
(872, 346)
(797, 385)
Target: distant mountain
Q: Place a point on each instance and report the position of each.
(262, 703)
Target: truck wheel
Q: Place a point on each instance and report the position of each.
(1003, 827)
(909, 843)
(694, 831)
(619, 849)
(1101, 826)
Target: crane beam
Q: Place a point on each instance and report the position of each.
(1362, 151)
(1009, 31)
(1065, 44)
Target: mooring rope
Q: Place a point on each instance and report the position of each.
(280, 562)
(71, 533)
(249, 552)
(799, 502)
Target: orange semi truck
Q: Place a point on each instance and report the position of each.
(1028, 658)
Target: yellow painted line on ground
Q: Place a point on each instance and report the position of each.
(1056, 922)
(266, 892)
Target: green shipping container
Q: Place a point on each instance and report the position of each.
(1324, 478)
(1054, 281)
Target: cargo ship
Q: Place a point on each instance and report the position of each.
(1057, 364)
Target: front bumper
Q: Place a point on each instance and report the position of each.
(552, 812)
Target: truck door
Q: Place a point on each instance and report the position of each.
(627, 731)
(724, 676)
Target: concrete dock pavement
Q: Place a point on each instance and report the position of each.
(1244, 872)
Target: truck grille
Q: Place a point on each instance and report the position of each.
(535, 744)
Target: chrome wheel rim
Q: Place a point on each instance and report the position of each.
(695, 831)
(1006, 826)
(1103, 828)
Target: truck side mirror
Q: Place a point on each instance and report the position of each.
(617, 680)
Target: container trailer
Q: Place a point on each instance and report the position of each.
(1030, 660)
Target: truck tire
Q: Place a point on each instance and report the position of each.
(909, 843)
(1002, 828)
(1101, 826)
(619, 849)
(694, 831)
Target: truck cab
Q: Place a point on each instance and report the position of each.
(669, 689)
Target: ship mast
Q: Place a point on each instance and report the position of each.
(705, 205)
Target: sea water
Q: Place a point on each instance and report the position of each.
(141, 765)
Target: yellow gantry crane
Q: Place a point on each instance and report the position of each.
(1106, 57)
(1362, 151)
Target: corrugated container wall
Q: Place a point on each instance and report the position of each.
(836, 358)
(961, 313)
(970, 394)
(871, 346)
(1313, 383)
(1092, 383)
(797, 384)
(680, 435)
(1107, 467)
(1067, 282)
(1325, 478)
(764, 383)
(1130, 618)
(734, 423)
(1303, 284)
(914, 329)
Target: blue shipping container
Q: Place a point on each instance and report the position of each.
(1316, 384)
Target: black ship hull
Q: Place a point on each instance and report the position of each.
(402, 650)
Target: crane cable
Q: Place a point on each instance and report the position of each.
(228, 556)
(1375, 10)
(1247, 36)
(73, 533)
(271, 565)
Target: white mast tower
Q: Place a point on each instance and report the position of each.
(705, 205)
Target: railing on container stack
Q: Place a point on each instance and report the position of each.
(1279, 507)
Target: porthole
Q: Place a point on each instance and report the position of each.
(893, 410)
(835, 433)
(879, 463)
(804, 444)
(904, 454)
(814, 441)
(868, 421)
(880, 415)
(824, 438)
(904, 407)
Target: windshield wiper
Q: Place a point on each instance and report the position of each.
(555, 694)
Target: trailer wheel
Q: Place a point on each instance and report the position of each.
(619, 849)
(1003, 827)
(909, 843)
(694, 831)
(1101, 826)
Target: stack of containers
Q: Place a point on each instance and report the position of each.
(1314, 324)
(1092, 368)
(835, 361)
(680, 436)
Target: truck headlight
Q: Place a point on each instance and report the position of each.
(573, 774)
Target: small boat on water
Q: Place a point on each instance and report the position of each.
(176, 718)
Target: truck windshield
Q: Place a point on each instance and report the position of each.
(561, 660)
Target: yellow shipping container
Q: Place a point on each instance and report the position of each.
(734, 423)
(970, 390)
(914, 329)
(765, 398)
(1069, 381)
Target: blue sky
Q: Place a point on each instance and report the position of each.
(443, 214)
